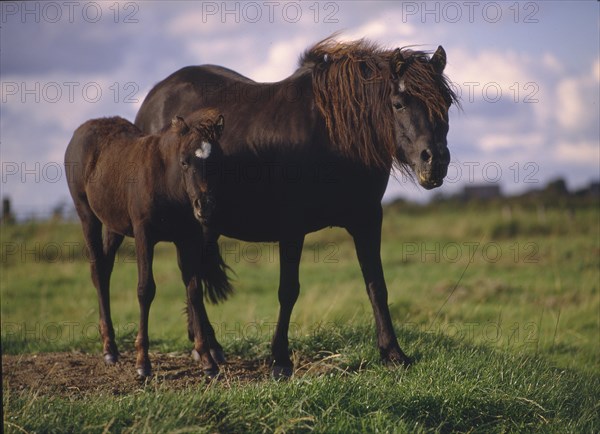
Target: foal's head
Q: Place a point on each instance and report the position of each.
(199, 153)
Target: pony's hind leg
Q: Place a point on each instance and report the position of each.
(101, 264)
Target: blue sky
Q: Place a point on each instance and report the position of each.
(528, 73)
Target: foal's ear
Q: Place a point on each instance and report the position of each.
(179, 126)
(219, 125)
(438, 60)
(397, 63)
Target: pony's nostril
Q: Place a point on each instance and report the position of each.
(426, 156)
(197, 204)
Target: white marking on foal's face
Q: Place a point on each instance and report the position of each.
(401, 86)
(204, 150)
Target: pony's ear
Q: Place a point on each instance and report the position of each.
(397, 63)
(219, 125)
(438, 60)
(179, 126)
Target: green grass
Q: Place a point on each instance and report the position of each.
(500, 309)
(454, 387)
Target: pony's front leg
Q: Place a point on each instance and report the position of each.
(146, 290)
(199, 329)
(289, 289)
(367, 240)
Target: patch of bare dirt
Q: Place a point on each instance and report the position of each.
(71, 374)
(78, 374)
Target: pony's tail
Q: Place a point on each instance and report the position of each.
(215, 281)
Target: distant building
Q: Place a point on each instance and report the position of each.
(482, 192)
(592, 190)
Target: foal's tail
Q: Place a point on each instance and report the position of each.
(216, 282)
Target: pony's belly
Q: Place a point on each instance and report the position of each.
(271, 220)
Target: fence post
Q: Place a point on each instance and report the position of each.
(7, 216)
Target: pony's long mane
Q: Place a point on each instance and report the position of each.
(352, 92)
(352, 86)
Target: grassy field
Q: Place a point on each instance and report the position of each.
(498, 304)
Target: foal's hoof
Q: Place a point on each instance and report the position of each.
(111, 359)
(218, 356)
(282, 372)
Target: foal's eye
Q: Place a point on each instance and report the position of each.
(184, 162)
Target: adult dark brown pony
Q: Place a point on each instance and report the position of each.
(153, 188)
(316, 150)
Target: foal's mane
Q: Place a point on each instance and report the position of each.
(352, 86)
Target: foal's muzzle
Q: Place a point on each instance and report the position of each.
(203, 209)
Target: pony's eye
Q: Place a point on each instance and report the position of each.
(399, 106)
(184, 162)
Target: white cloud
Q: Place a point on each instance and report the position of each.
(569, 99)
(551, 63)
(282, 59)
(577, 101)
(489, 66)
(384, 29)
(579, 152)
(500, 142)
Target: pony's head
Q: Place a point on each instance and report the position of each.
(199, 153)
(420, 99)
(384, 107)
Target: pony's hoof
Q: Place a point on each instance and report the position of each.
(282, 372)
(111, 359)
(218, 356)
(144, 372)
(397, 359)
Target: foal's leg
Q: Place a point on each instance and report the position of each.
(367, 240)
(216, 350)
(146, 291)
(112, 241)
(101, 264)
(289, 289)
(199, 328)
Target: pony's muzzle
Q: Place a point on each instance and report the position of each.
(433, 167)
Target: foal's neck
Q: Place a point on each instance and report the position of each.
(166, 153)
